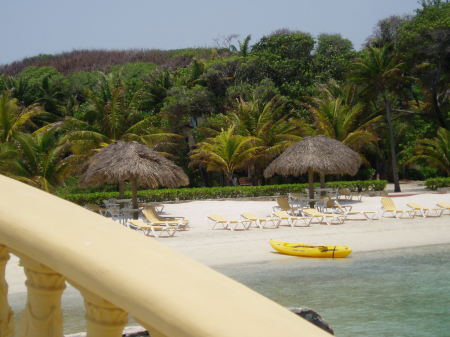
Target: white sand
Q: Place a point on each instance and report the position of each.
(219, 247)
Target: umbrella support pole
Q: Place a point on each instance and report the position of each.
(134, 197)
(322, 185)
(311, 186)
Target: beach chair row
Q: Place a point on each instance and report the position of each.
(388, 208)
(248, 220)
(304, 217)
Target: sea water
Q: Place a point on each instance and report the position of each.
(393, 293)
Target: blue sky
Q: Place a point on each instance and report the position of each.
(31, 27)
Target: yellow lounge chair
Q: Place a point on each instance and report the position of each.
(347, 211)
(388, 206)
(445, 206)
(153, 218)
(153, 230)
(292, 220)
(424, 211)
(227, 223)
(283, 205)
(157, 206)
(261, 222)
(329, 218)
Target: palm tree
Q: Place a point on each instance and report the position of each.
(14, 118)
(226, 153)
(244, 46)
(435, 151)
(43, 161)
(335, 119)
(51, 96)
(8, 153)
(268, 125)
(113, 114)
(378, 72)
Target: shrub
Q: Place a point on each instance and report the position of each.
(435, 183)
(197, 193)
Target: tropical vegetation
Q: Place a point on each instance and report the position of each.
(228, 111)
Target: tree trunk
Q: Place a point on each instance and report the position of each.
(134, 197)
(322, 184)
(251, 173)
(387, 106)
(205, 176)
(122, 190)
(229, 178)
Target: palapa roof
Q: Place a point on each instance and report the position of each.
(320, 153)
(122, 161)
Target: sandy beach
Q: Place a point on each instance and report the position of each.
(221, 247)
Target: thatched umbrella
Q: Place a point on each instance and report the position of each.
(133, 162)
(315, 154)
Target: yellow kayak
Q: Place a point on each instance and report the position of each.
(298, 249)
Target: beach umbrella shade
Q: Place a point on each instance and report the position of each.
(134, 162)
(315, 154)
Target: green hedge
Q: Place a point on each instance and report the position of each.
(435, 183)
(198, 193)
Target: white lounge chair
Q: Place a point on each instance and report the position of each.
(218, 220)
(293, 220)
(260, 221)
(388, 207)
(156, 231)
(424, 211)
(328, 218)
(347, 211)
(152, 217)
(445, 206)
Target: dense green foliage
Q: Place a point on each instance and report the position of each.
(172, 194)
(435, 183)
(224, 113)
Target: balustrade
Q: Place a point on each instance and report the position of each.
(119, 271)
(6, 314)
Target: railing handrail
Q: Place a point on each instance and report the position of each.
(165, 290)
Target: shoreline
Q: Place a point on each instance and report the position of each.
(310, 260)
(218, 247)
(221, 247)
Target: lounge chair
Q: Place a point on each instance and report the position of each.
(157, 206)
(261, 222)
(297, 200)
(218, 220)
(283, 205)
(445, 206)
(346, 210)
(152, 217)
(154, 209)
(328, 218)
(96, 208)
(424, 211)
(347, 194)
(293, 220)
(388, 207)
(152, 230)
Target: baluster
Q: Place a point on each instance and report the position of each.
(102, 317)
(6, 314)
(42, 316)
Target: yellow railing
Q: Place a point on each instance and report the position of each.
(119, 273)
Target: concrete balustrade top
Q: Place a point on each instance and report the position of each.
(169, 293)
